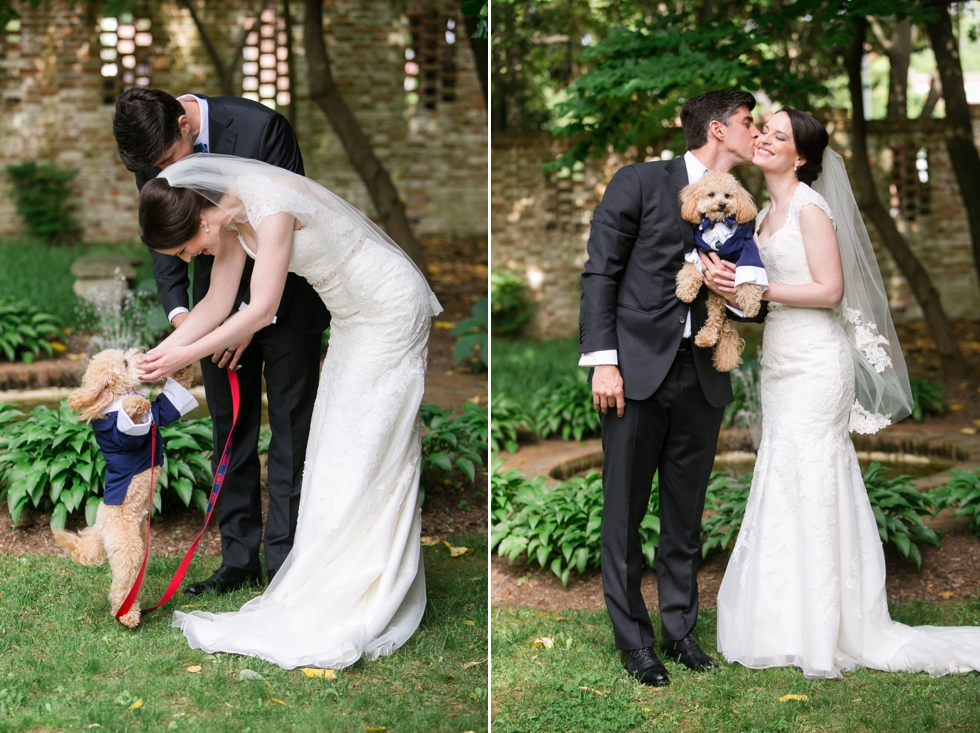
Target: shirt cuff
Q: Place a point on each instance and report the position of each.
(244, 305)
(179, 397)
(176, 312)
(736, 311)
(609, 357)
(126, 425)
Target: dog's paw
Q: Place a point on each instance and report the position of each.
(135, 406)
(749, 298)
(131, 619)
(184, 377)
(706, 337)
(728, 353)
(689, 281)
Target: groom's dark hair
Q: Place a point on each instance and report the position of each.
(145, 126)
(698, 113)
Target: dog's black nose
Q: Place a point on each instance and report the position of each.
(142, 350)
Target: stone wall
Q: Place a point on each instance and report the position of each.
(54, 106)
(540, 221)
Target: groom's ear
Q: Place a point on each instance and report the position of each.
(716, 129)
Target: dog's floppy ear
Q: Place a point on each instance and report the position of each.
(747, 210)
(90, 400)
(689, 197)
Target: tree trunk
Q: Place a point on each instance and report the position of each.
(898, 48)
(323, 90)
(479, 49)
(869, 203)
(225, 73)
(958, 130)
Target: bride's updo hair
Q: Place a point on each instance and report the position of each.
(169, 216)
(811, 139)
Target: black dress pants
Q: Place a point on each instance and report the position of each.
(674, 431)
(292, 371)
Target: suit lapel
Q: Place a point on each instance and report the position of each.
(676, 180)
(223, 139)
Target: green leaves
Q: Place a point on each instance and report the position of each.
(451, 444)
(51, 461)
(512, 302)
(42, 192)
(472, 341)
(963, 493)
(507, 417)
(725, 504)
(899, 508)
(566, 408)
(927, 396)
(25, 331)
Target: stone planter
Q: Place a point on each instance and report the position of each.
(105, 278)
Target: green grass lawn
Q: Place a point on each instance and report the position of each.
(40, 273)
(518, 369)
(68, 666)
(579, 685)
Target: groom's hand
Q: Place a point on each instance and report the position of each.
(607, 389)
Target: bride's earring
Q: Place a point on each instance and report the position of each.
(207, 230)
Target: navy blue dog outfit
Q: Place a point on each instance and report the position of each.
(739, 247)
(126, 445)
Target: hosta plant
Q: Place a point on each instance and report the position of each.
(50, 461)
(25, 331)
(963, 493)
(451, 444)
(927, 396)
(471, 333)
(566, 408)
(899, 508)
(558, 526)
(507, 418)
(726, 500)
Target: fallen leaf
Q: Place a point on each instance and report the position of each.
(191, 605)
(469, 623)
(57, 346)
(975, 422)
(93, 725)
(589, 689)
(327, 674)
(947, 594)
(445, 325)
(457, 551)
(647, 710)
(249, 674)
(137, 704)
(968, 431)
(196, 669)
(786, 698)
(277, 702)
(545, 641)
(956, 407)
(376, 729)
(430, 541)
(474, 664)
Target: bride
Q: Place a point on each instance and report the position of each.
(805, 585)
(353, 584)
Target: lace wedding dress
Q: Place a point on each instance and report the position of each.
(805, 585)
(353, 585)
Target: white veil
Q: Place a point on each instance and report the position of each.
(881, 382)
(219, 178)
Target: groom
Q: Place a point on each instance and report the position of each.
(154, 130)
(661, 398)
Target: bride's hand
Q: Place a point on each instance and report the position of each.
(160, 363)
(719, 275)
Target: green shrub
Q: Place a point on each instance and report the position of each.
(566, 408)
(726, 499)
(927, 396)
(472, 342)
(51, 460)
(511, 302)
(899, 508)
(507, 417)
(558, 526)
(963, 492)
(451, 444)
(521, 368)
(43, 192)
(747, 395)
(25, 331)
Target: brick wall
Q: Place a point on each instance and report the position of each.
(53, 107)
(540, 222)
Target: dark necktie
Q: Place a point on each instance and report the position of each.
(201, 148)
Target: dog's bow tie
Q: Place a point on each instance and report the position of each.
(707, 223)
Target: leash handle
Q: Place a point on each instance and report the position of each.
(219, 479)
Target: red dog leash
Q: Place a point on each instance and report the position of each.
(219, 478)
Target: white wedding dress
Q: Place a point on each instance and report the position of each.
(353, 585)
(805, 585)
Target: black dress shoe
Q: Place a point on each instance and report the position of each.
(643, 665)
(687, 652)
(225, 580)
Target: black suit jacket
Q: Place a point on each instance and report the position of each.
(629, 302)
(249, 130)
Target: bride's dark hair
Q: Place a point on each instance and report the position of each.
(811, 140)
(169, 216)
